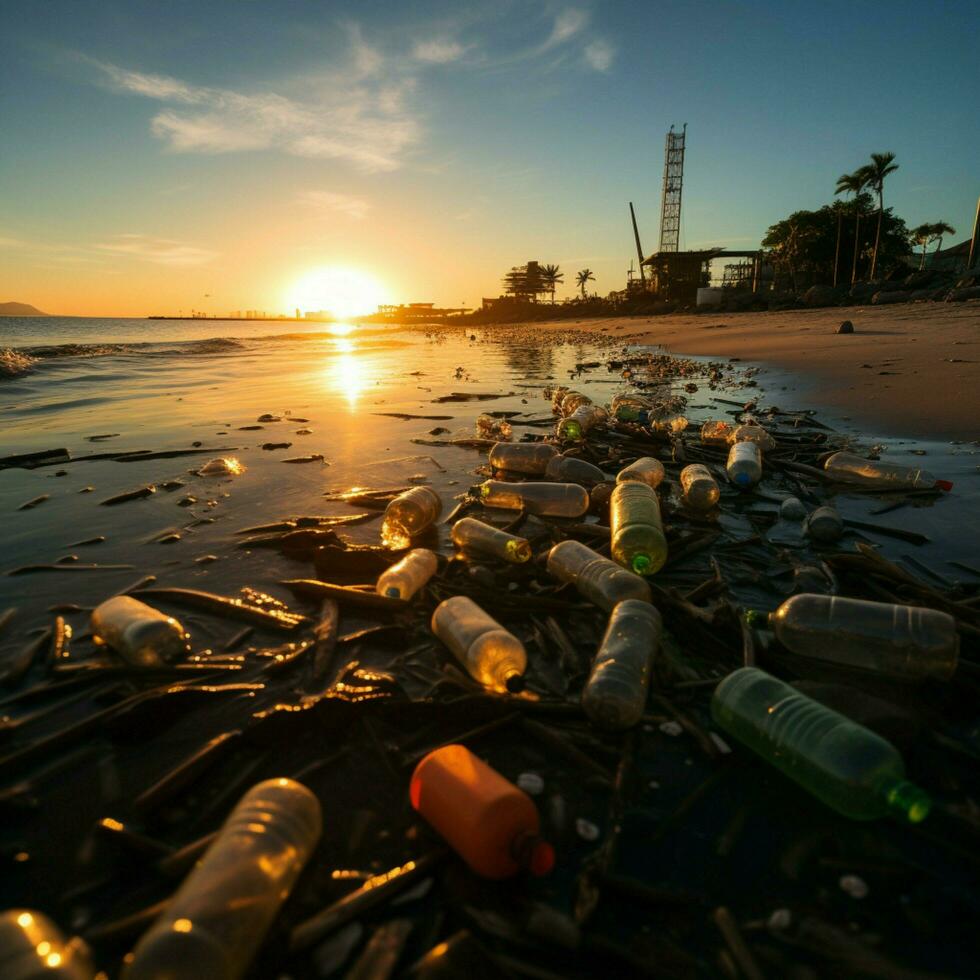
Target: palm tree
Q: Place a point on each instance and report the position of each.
(882, 164)
(853, 184)
(551, 276)
(582, 278)
(939, 229)
(846, 184)
(922, 235)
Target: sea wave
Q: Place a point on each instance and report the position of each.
(14, 363)
(213, 345)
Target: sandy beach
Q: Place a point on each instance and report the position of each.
(897, 371)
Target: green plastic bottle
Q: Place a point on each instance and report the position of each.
(638, 541)
(842, 763)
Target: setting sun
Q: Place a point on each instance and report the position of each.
(338, 290)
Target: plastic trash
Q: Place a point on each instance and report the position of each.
(217, 920)
(716, 433)
(491, 654)
(571, 469)
(576, 426)
(487, 427)
(33, 948)
(637, 533)
(901, 641)
(138, 633)
(699, 488)
(408, 515)
(792, 509)
(546, 499)
(754, 433)
(403, 579)
(222, 466)
(848, 468)
(825, 525)
(616, 692)
(601, 581)
(492, 825)
(744, 465)
(646, 469)
(475, 536)
(571, 401)
(531, 458)
(845, 765)
(630, 408)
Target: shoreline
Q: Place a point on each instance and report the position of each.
(896, 372)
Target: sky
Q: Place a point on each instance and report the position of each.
(168, 157)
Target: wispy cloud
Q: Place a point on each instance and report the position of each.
(161, 251)
(331, 202)
(567, 24)
(600, 54)
(439, 51)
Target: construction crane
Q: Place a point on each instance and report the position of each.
(670, 201)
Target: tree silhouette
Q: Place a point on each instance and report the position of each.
(882, 164)
(583, 277)
(939, 229)
(854, 184)
(922, 235)
(551, 276)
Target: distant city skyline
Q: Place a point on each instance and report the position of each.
(165, 157)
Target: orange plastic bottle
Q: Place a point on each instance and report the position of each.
(488, 821)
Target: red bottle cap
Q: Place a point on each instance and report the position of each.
(542, 859)
(944, 485)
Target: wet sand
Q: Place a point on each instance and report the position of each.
(910, 369)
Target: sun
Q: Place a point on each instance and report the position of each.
(341, 291)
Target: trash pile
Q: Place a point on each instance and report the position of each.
(661, 711)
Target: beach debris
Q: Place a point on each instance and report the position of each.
(699, 489)
(646, 470)
(31, 504)
(531, 458)
(222, 466)
(71, 567)
(744, 465)
(224, 606)
(187, 501)
(250, 428)
(408, 515)
(33, 944)
(825, 525)
(406, 577)
(544, 499)
(138, 633)
(599, 580)
(845, 327)
(103, 437)
(475, 537)
(122, 498)
(28, 461)
(303, 432)
(473, 396)
(792, 509)
(636, 528)
(269, 446)
(845, 467)
(312, 458)
(274, 418)
(492, 824)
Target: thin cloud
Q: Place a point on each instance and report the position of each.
(567, 24)
(600, 54)
(160, 251)
(439, 52)
(330, 202)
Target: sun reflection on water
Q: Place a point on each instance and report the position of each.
(346, 374)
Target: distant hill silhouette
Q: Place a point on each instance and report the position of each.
(20, 309)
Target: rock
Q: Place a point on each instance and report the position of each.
(825, 525)
(792, 509)
(846, 327)
(884, 297)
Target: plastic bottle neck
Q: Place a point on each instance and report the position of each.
(514, 681)
(757, 618)
(908, 801)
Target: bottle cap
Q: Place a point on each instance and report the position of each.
(756, 617)
(944, 485)
(641, 564)
(909, 801)
(393, 592)
(534, 854)
(514, 682)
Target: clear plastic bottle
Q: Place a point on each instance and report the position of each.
(630, 408)
(492, 824)
(32, 947)
(218, 918)
(571, 469)
(901, 641)
(646, 469)
(699, 488)
(825, 525)
(571, 401)
(472, 535)
(531, 458)
(848, 767)
(601, 581)
(716, 433)
(848, 468)
(577, 425)
(407, 576)
(545, 499)
(138, 633)
(637, 533)
(744, 465)
(754, 433)
(408, 515)
(616, 692)
(491, 655)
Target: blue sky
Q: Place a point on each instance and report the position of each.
(155, 154)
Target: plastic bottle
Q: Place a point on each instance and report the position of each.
(491, 655)
(472, 535)
(601, 581)
(403, 579)
(845, 765)
(219, 916)
(825, 525)
(487, 820)
(409, 514)
(754, 433)
(717, 433)
(848, 468)
(616, 692)
(646, 469)
(629, 408)
(571, 401)
(699, 488)
(637, 533)
(33, 948)
(571, 469)
(744, 465)
(487, 427)
(577, 425)
(138, 633)
(531, 458)
(546, 499)
(901, 641)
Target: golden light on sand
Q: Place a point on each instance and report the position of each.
(341, 291)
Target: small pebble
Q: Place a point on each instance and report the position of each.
(671, 728)
(187, 501)
(779, 920)
(206, 559)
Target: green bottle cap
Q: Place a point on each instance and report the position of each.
(756, 617)
(908, 800)
(641, 564)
